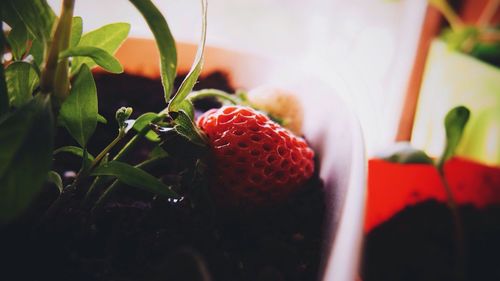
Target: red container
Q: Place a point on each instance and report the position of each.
(393, 186)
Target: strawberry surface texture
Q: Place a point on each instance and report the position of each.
(255, 161)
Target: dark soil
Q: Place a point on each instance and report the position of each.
(140, 237)
(419, 244)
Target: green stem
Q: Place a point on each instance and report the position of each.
(146, 165)
(85, 172)
(106, 150)
(458, 226)
(196, 95)
(98, 159)
(54, 75)
(131, 144)
(122, 153)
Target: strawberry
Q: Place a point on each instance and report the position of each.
(256, 161)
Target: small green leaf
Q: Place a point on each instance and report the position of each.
(410, 156)
(454, 124)
(18, 41)
(36, 51)
(101, 119)
(85, 162)
(22, 79)
(55, 178)
(18, 35)
(78, 151)
(143, 121)
(178, 145)
(186, 127)
(158, 152)
(4, 96)
(191, 78)
(489, 53)
(79, 112)
(37, 16)
(99, 56)
(135, 177)
(122, 115)
(108, 37)
(164, 41)
(26, 136)
(188, 107)
(76, 31)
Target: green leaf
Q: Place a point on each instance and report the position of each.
(85, 162)
(18, 40)
(164, 41)
(158, 152)
(19, 35)
(143, 121)
(4, 96)
(98, 55)
(37, 16)
(8, 14)
(78, 151)
(191, 78)
(76, 31)
(101, 119)
(22, 79)
(55, 178)
(454, 124)
(188, 107)
(410, 156)
(135, 177)
(489, 53)
(37, 50)
(79, 112)
(26, 136)
(186, 127)
(108, 37)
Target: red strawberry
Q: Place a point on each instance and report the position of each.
(256, 161)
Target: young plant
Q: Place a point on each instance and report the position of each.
(48, 82)
(455, 121)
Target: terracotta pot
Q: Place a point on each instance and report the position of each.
(329, 126)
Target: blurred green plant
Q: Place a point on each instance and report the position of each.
(480, 40)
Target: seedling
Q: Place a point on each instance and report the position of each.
(454, 123)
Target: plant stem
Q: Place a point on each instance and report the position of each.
(145, 165)
(122, 153)
(131, 144)
(106, 150)
(213, 93)
(458, 226)
(97, 160)
(85, 172)
(54, 75)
